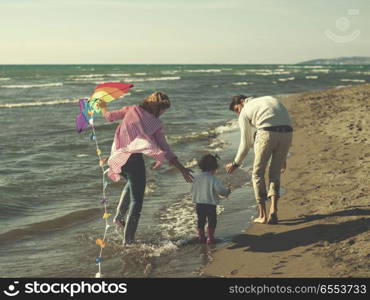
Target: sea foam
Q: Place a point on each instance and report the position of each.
(204, 71)
(353, 80)
(312, 77)
(38, 103)
(242, 83)
(28, 86)
(153, 79)
(286, 79)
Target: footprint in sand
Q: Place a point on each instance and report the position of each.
(233, 272)
(277, 273)
(278, 267)
(283, 261)
(280, 264)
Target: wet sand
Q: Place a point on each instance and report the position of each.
(324, 216)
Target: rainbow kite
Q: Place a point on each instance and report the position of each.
(106, 92)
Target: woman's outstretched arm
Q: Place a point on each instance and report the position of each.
(162, 142)
(111, 116)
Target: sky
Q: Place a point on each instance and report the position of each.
(181, 31)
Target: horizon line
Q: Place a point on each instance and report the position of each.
(143, 64)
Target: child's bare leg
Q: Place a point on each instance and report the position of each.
(262, 218)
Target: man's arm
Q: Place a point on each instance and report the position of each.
(245, 140)
(245, 143)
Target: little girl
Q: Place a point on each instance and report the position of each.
(205, 193)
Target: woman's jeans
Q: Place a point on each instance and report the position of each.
(132, 196)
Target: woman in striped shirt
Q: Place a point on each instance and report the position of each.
(140, 132)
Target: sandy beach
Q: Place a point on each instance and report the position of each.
(324, 216)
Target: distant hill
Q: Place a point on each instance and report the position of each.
(354, 60)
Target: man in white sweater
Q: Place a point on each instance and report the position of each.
(272, 141)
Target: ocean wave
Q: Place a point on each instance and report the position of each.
(257, 70)
(276, 72)
(147, 251)
(242, 83)
(312, 77)
(312, 67)
(47, 226)
(191, 163)
(240, 73)
(150, 187)
(153, 79)
(290, 66)
(281, 73)
(342, 86)
(87, 76)
(286, 79)
(320, 71)
(89, 79)
(103, 81)
(204, 134)
(169, 72)
(28, 86)
(177, 220)
(264, 73)
(140, 74)
(139, 259)
(217, 145)
(4, 78)
(359, 72)
(193, 136)
(38, 103)
(227, 127)
(204, 71)
(353, 80)
(118, 75)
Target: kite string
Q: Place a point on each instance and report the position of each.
(104, 199)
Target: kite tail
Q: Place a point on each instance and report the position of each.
(104, 201)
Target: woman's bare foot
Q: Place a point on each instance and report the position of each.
(260, 220)
(120, 223)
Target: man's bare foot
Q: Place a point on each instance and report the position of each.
(260, 220)
(273, 219)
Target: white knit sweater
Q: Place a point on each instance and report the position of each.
(259, 112)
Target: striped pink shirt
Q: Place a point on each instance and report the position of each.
(139, 132)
